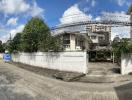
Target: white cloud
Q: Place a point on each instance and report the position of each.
(36, 10)
(117, 16)
(13, 6)
(16, 8)
(87, 0)
(74, 14)
(122, 32)
(86, 9)
(121, 2)
(93, 3)
(17, 30)
(13, 32)
(12, 21)
(98, 18)
(128, 4)
(5, 38)
(20, 6)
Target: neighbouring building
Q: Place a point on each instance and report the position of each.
(77, 37)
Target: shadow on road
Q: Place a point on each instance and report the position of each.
(124, 92)
(11, 93)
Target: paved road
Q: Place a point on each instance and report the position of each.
(20, 84)
(103, 68)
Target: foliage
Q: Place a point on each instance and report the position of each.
(35, 37)
(129, 9)
(88, 40)
(9, 46)
(100, 55)
(55, 44)
(4, 46)
(124, 46)
(31, 33)
(15, 44)
(1, 47)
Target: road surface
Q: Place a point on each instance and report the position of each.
(20, 84)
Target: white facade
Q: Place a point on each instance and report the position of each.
(95, 32)
(1, 55)
(63, 61)
(126, 64)
(95, 37)
(74, 42)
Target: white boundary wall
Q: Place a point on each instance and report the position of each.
(126, 64)
(1, 55)
(64, 61)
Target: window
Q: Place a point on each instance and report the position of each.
(66, 37)
(93, 37)
(100, 28)
(66, 40)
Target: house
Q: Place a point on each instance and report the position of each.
(78, 36)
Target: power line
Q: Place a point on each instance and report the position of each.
(110, 23)
(108, 16)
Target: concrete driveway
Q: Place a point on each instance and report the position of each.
(20, 84)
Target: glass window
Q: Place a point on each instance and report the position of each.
(66, 37)
(66, 40)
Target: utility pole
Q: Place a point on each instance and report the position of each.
(10, 40)
(10, 37)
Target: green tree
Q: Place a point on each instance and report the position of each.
(122, 47)
(9, 46)
(4, 45)
(37, 37)
(55, 44)
(1, 46)
(129, 9)
(15, 44)
(34, 31)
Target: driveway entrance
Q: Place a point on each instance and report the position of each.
(103, 68)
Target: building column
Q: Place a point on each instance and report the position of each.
(72, 42)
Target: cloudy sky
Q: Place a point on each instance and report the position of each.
(15, 13)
